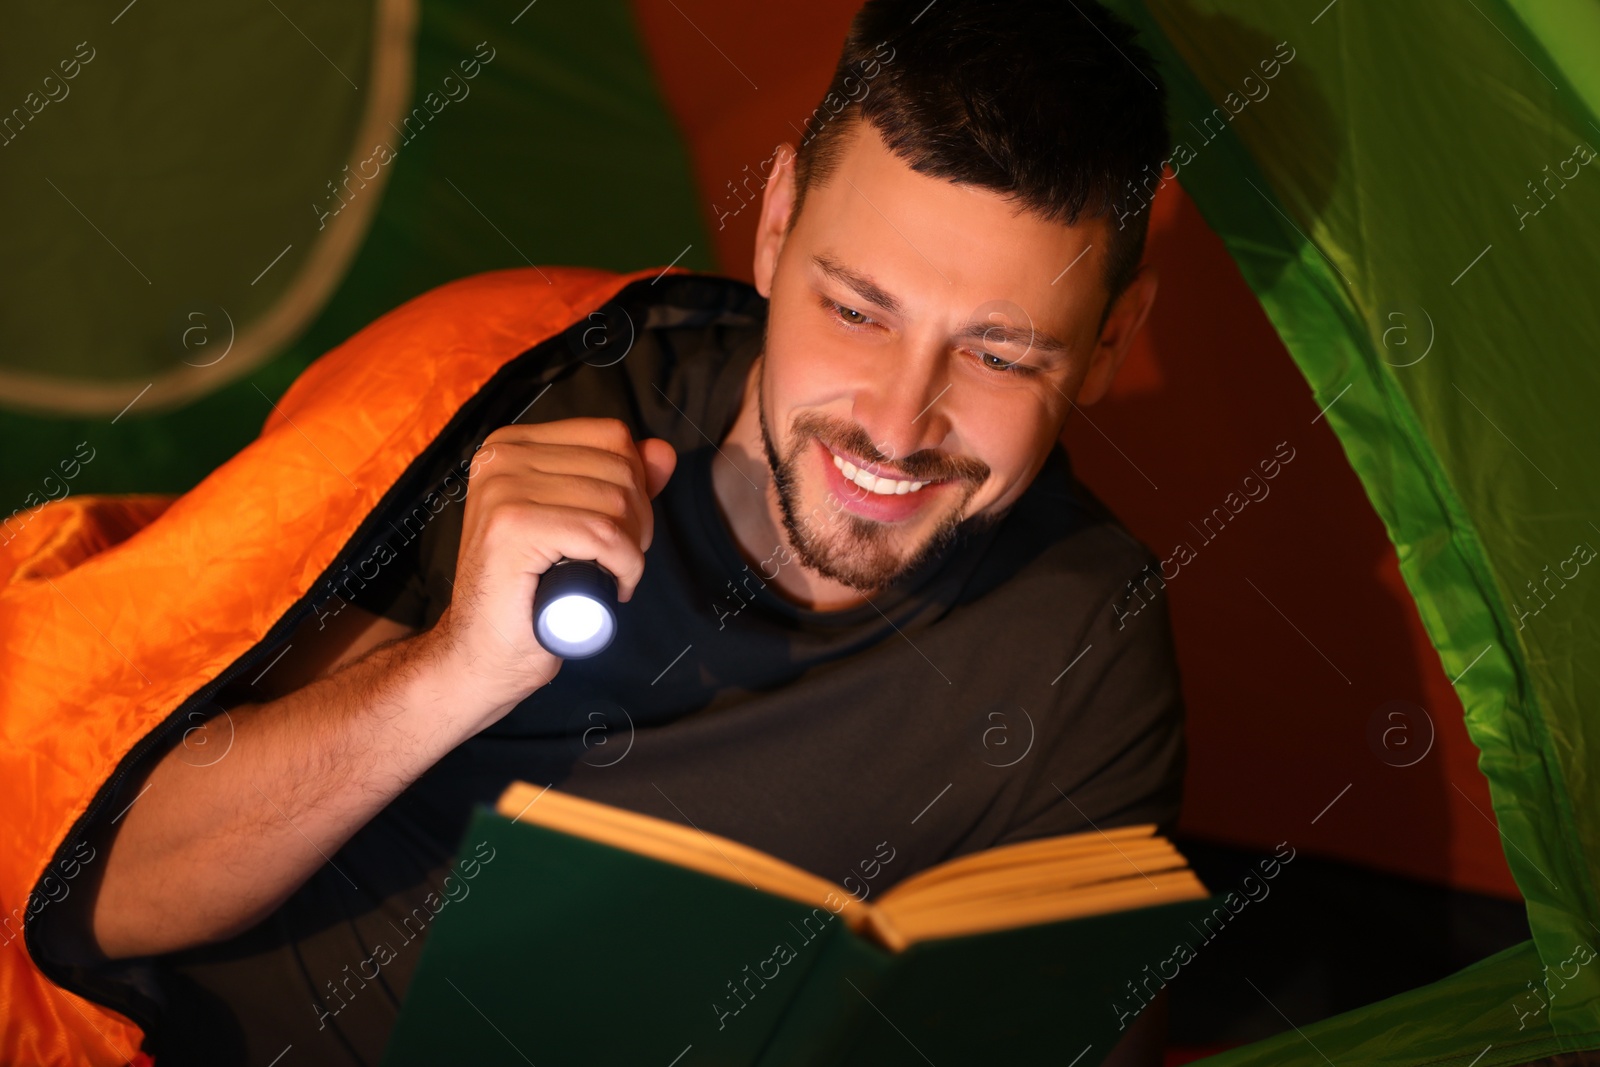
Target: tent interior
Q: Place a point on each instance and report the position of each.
(1321, 712)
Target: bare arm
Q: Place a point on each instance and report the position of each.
(212, 846)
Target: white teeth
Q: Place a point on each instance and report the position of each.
(871, 482)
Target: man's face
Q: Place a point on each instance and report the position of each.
(922, 331)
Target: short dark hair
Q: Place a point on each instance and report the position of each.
(1049, 101)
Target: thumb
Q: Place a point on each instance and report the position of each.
(660, 459)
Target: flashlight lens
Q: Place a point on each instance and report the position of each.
(575, 609)
(575, 625)
(575, 619)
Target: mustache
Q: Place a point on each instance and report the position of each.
(921, 466)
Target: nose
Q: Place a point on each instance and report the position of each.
(903, 403)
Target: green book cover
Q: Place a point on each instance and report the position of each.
(574, 952)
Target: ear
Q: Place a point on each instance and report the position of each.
(777, 201)
(1128, 313)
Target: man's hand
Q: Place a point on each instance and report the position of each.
(579, 488)
(363, 709)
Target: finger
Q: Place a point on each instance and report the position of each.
(621, 502)
(562, 461)
(564, 457)
(607, 435)
(644, 464)
(660, 460)
(537, 535)
(577, 476)
(600, 434)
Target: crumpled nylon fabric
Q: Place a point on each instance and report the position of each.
(114, 610)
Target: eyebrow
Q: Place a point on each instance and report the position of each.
(862, 284)
(993, 332)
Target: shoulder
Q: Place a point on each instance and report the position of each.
(1062, 549)
(1082, 607)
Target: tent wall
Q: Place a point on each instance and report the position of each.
(1475, 461)
(200, 143)
(1399, 167)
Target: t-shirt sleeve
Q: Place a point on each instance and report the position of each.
(409, 577)
(1118, 754)
(395, 589)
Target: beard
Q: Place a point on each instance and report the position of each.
(861, 553)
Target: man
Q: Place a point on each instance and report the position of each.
(863, 598)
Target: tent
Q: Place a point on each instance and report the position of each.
(1386, 203)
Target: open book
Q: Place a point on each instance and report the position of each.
(593, 934)
(1041, 881)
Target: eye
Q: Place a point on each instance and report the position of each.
(1002, 365)
(848, 315)
(851, 315)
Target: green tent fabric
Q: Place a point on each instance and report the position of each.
(181, 247)
(1408, 195)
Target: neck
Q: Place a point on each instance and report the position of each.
(748, 499)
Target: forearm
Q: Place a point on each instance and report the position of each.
(208, 850)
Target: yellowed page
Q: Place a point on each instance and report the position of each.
(900, 926)
(1068, 875)
(1027, 855)
(721, 857)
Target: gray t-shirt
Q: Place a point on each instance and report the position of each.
(1003, 692)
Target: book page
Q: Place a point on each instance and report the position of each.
(1035, 882)
(718, 856)
(1026, 855)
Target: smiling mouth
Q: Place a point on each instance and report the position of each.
(880, 485)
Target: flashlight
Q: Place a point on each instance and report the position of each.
(575, 608)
